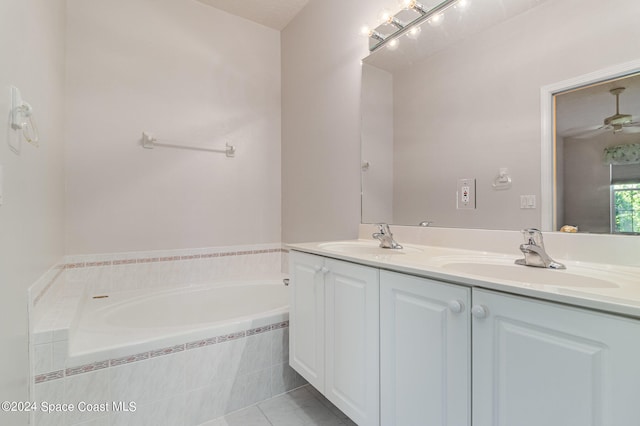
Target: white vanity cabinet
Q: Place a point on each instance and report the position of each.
(425, 352)
(538, 363)
(334, 332)
(393, 349)
(306, 317)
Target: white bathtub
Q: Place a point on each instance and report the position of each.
(128, 323)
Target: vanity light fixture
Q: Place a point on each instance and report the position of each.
(395, 22)
(378, 37)
(413, 4)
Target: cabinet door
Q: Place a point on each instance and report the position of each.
(306, 317)
(352, 339)
(539, 363)
(425, 356)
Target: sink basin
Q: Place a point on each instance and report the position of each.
(365, 248)
(504, 269)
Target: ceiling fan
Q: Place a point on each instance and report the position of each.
(617, 122)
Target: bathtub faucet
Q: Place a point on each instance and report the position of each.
(385, 237)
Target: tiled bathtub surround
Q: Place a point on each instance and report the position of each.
(253, 362)
(55, 296)
(185, 384)
(44, 284)
(128, 271)
(62, 372)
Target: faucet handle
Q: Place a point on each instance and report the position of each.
(533, 236)
(383, 228)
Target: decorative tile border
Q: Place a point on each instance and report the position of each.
(128, 359)
(259, 330)
(232, 336)
(283, 324)
(76, 265)
(201, 343)
(54, 375)
(87, 368)
(166, 351)
(123, 262)
(103, 263)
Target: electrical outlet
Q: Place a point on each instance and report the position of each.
(466, 194)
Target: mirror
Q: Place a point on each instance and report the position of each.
(597, 152)
(460, 107)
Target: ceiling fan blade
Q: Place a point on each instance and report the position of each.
(631, 129)
(579, 131)
(591, 134)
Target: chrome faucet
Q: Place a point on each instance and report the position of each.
(534, 252)
(386, 237)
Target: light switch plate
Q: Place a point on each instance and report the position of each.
(466, 194)
(527, 201)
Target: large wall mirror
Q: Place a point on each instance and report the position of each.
(460, 104)
(597, 156)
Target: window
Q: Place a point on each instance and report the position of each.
(625, 203)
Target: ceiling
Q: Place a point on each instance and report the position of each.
(581, 110)
(275, 14)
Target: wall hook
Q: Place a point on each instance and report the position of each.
(22, 117)
(503, 180)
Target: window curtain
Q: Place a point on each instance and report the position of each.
(622, 154)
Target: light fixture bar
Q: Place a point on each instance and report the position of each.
(419, 20)
(376, 36)
(418, 7)
(396, 22)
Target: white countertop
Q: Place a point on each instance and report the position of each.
(604, 287)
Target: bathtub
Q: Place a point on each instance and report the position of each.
(123, 324)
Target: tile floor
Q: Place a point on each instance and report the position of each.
(304, 406)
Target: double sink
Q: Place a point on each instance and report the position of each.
(479, 265)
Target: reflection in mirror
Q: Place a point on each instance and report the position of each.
(461, 102)
(598, 157)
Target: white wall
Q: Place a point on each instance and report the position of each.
(31, 218)
(188, 73)
(321, 53)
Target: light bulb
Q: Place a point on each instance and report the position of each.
(436, 19)
(462, 4)
(395, 22)
(393, 44)
(413, 4)
(365, 30)
(385, 15)
(414, 32)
